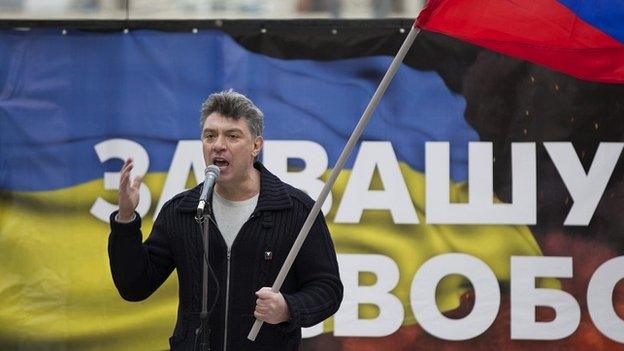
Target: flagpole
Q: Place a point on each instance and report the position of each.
(353, 139)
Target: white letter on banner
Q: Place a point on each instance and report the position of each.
(525, 297)
(187, 157)
(121, 149)
(425, 308)
(395, 196)
(346, 320)
(481, 209)
(275, 158)
(600, 299)
(586, 189)
(312, 331)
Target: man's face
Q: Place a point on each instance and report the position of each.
(229, 144)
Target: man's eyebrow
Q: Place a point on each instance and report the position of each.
(235, 129)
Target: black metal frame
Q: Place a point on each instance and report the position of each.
(317, 26)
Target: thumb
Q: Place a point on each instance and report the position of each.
(264, 293)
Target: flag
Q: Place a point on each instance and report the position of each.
(582, 38)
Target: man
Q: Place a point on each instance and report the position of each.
(256, 219)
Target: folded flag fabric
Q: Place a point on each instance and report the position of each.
(582, 38)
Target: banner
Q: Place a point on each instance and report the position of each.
(480, 211)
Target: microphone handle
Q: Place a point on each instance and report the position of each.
(203, 198)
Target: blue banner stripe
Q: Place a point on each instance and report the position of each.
(63, 94)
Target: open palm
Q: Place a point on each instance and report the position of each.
(128, 192)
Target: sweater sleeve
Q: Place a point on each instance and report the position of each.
(138, 269)
(320, 289)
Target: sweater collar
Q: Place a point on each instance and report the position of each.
(273, 194)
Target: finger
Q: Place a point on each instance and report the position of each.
(126, 164)
(128, 161)
(136, 183)
(129, 169)
(259, 316)
(261, 309)
(123, 180)
(125, 177)
(264, 293)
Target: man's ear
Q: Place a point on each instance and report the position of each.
(257, 146)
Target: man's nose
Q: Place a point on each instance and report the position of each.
(219, 143)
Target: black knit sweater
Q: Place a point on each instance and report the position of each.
(312, 288)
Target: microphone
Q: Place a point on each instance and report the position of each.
(211, 173)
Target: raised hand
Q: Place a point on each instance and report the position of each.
(128, 192)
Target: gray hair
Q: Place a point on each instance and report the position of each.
(232, 104)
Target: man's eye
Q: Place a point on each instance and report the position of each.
(234, 136)
(208, 136)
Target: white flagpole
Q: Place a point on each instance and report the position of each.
(355, 136)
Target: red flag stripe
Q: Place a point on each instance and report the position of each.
(540, 31)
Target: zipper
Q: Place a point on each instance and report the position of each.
(227, 298)
(227, 282)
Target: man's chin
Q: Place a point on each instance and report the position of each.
(224, 180)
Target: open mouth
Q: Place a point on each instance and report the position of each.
(220, 162)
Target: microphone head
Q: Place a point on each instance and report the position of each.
(212, 170)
